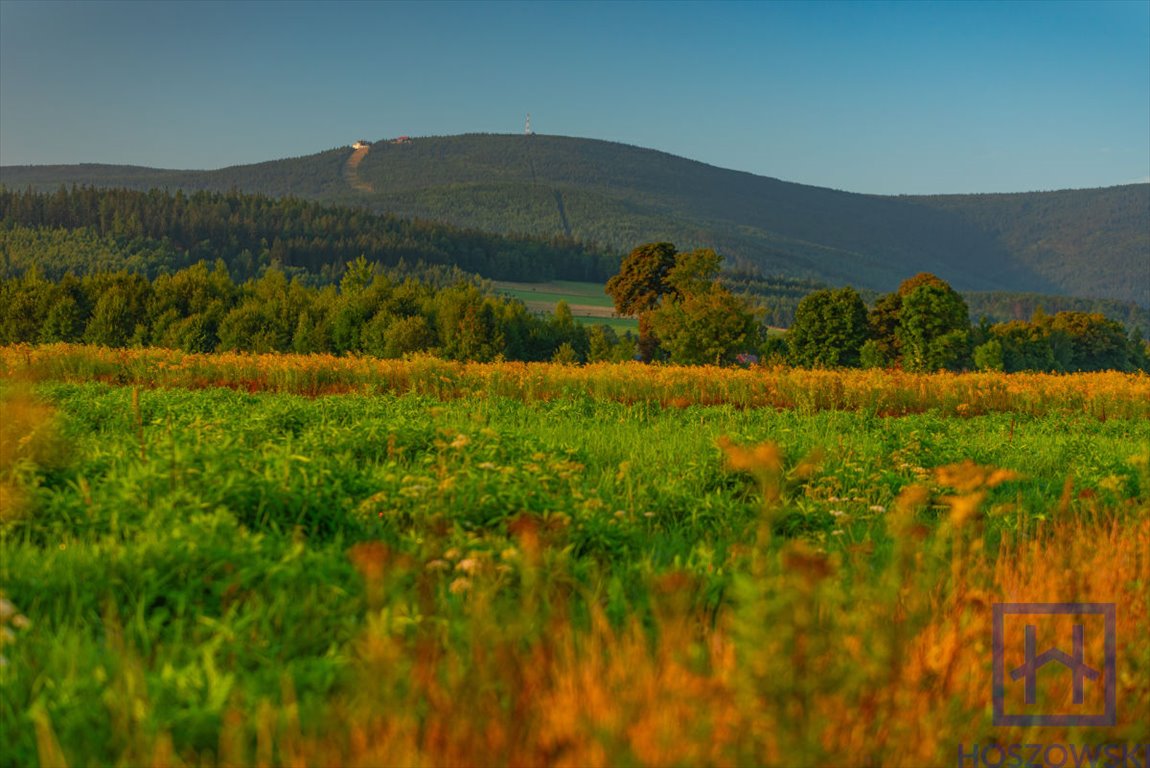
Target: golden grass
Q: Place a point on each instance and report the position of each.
(815, 659)
(886, 393)
(28, 438)
(804, 668)
(798, 673)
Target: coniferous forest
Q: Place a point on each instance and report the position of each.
(84, 229)
(214, 272)
(1084, 242)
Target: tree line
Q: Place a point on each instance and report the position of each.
(686, 315)
(383, 313)
(83, 230)
(925, 326)
(160, 232)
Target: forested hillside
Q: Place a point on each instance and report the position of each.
(1090, 243)
(1054, 233)
(87, 229)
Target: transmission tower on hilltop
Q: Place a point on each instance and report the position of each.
(527, 129)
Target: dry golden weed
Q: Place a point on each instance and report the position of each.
(29, 437)
(835, 680)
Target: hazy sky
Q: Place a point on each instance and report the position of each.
(901, 97)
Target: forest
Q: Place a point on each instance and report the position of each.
(1080, 242)
(686, 316)
(234, 272)
(383, 314)
(394, 313)
(84, 228)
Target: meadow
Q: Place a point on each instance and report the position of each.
(588, 301)
(261, 560)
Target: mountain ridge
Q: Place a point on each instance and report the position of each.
(1090, 242)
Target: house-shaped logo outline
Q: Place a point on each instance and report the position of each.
(1074, 661)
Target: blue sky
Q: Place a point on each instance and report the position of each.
(901, 97)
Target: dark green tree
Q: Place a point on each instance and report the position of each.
(1029, 346)
(112, 323)
(699, 320)
(407, 335)
(1096, 343)
(883, 322)
(934, 329)
(829, 330)
(708, 327)
(988, 356)
(64, 322)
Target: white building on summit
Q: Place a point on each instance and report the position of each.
(361, 144)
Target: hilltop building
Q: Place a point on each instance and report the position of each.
(361, 144)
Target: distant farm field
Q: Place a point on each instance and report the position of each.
(588, 301)
(242, 559)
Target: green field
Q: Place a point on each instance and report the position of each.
(191, 561)
(586, 294)
(588, 302)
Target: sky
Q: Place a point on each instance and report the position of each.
(884, 97)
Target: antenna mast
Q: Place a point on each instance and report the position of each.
(527, 130)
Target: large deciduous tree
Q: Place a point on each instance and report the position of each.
(681, 306)
(923, 326)
(639, 287)
(829, 330)
(708, 326)
(933, 328)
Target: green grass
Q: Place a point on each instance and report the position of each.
(588, 301)
(191, 551)
(555, 290)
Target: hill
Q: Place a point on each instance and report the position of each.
(84, 230)
(1090, 243)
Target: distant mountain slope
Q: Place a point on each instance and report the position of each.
(1094, 242)
(1081, 242)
